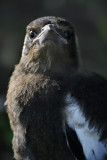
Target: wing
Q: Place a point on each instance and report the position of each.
(74, 143)
(86, 116)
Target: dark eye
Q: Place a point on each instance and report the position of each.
(32, 34)
(67, 35)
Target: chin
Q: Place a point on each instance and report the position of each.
(47, 46)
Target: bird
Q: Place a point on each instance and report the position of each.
(56, 110)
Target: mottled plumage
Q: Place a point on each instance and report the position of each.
(47, 93)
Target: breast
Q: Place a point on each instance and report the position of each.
(89, 138)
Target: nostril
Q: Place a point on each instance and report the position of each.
(51, 26)
(42, 29)
(48, 27)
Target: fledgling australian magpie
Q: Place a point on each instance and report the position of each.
(56, 111)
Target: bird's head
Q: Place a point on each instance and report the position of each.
(50, 45)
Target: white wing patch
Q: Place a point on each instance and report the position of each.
(89, 138)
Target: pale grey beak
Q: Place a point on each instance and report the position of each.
(45, 31)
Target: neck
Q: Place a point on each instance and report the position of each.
(54, 71)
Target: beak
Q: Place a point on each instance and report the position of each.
(48, 32)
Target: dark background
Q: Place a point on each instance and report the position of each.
(90, 21)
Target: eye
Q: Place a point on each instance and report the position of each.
(32, 34)
(67, 35)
